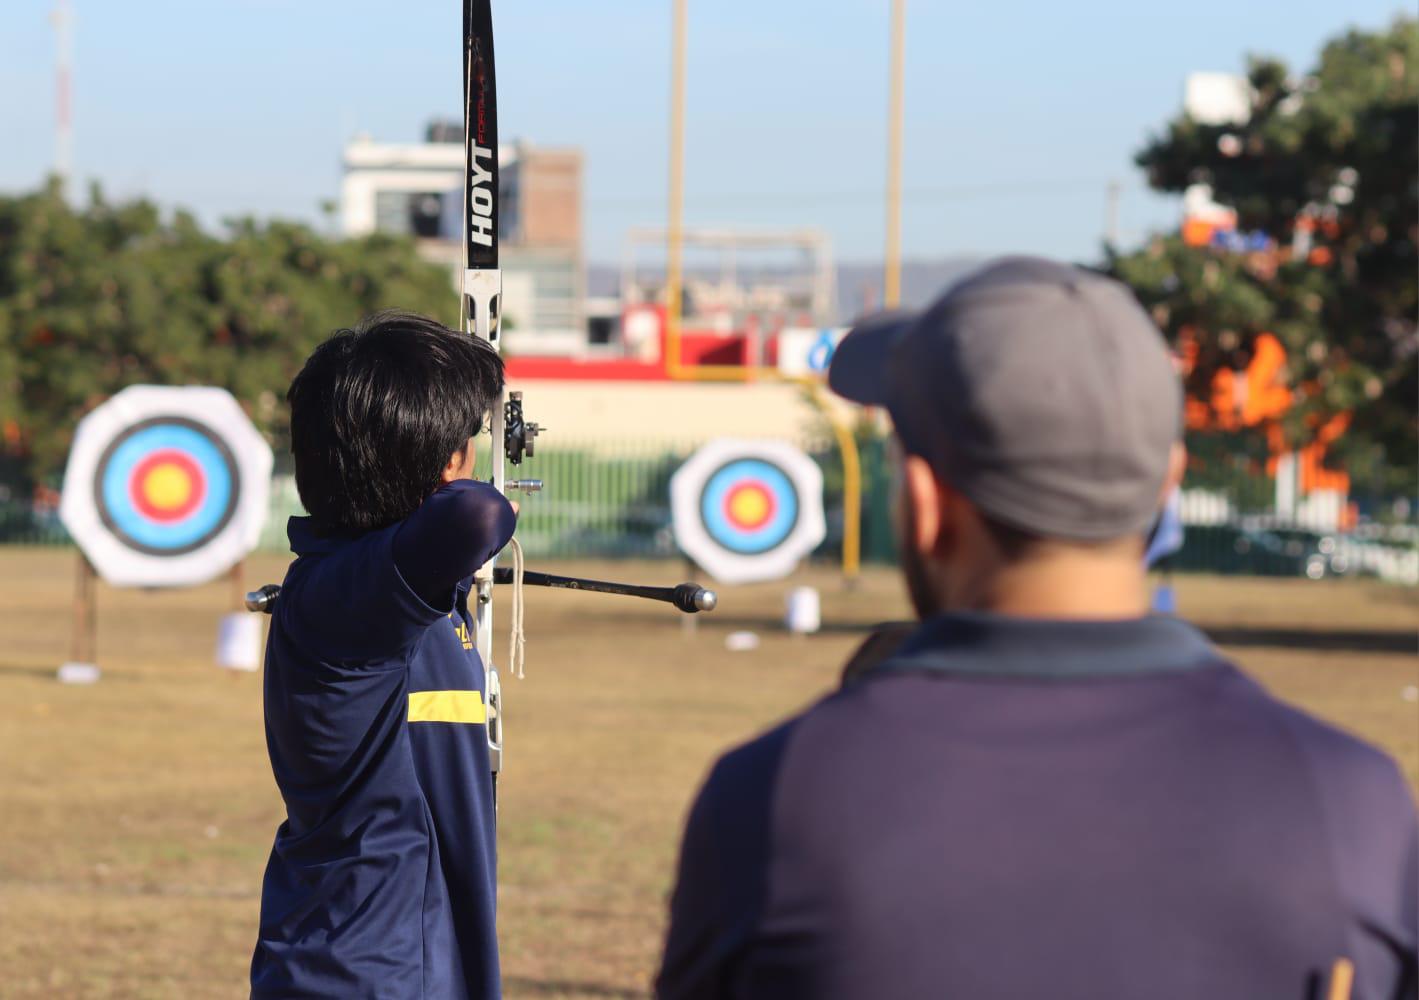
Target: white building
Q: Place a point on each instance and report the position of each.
(416, 190)
(401, 187)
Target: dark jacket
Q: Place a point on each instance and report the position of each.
(1016, 809)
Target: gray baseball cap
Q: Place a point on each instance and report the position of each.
(1040, 391)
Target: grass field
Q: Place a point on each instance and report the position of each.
(135, 816)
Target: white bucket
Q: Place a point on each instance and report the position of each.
(741, 642)
(803, 611)
(78, 673)
(239, 642)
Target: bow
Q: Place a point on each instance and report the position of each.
(514, 437)
(480, 301)
(480, 314)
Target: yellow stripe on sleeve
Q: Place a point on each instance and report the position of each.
(447, 706)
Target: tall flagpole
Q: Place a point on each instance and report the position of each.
(892, 278)
(674, 243)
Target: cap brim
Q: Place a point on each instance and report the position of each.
(859, 367)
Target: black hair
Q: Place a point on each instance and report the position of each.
(377, 412)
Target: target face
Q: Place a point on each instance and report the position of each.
(166, 486)
(749, 506)
(748, 510)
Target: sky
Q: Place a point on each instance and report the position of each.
(1018, 114)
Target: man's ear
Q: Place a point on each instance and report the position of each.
(1177, 467)
(926, 497)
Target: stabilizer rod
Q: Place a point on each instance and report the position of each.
(690, 598)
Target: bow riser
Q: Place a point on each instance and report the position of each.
(481, 291)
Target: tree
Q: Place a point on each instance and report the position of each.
(99, 298)
(1325, 166)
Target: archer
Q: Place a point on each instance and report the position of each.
(382, 879)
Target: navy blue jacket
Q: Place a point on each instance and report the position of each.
(382, 880)
(1016, 809)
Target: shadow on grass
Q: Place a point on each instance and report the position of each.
(13, 671)
(1242, 637)
(1350, 641)
(30, 670)
(716, 622)
(524, 987)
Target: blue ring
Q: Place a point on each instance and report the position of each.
(764, 538)
(115, 471)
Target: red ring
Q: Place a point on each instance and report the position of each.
(770, 505)
(167, 515)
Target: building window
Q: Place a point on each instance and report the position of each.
(409, 213)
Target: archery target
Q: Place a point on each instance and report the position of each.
(748, 510)
(166, 486)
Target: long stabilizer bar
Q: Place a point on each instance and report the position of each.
(690, 598)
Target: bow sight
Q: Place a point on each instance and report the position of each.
(519, 441)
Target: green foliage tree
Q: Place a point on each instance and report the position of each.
(1336, 150)
(110, 295)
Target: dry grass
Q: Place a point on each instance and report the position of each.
(135, 815)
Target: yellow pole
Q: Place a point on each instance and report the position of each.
(852, 485)
(674, 282)
(674, 249)
(892, 279)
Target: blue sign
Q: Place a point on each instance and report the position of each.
(820, 355)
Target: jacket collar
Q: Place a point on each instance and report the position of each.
(306, 541)
(981, 643)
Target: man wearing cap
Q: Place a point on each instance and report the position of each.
(1042, 791)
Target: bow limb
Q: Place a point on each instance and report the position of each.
(481, 295)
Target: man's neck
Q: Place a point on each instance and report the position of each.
(1064, 587)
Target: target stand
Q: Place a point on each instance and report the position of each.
(747, 511)
(165, 487)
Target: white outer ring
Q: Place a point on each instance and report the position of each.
(731, 567)
(121, 566)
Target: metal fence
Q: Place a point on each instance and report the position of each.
(612, 501)
(23, 522)
(599, 501)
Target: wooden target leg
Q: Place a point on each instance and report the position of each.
(91, 575)
(82, 667)
(237, 579)
(83, 644)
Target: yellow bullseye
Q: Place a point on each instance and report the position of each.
(167, 486)
(749, 506)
